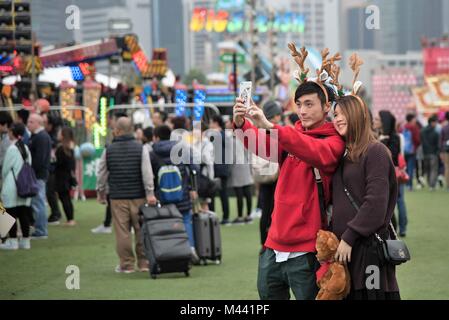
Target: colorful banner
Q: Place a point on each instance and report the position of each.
(90, 166)
(436, 61)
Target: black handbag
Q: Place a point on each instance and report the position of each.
(391, 251)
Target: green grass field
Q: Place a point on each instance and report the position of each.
(40, 272)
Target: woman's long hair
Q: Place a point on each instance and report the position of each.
(388, 122)
(67, 141)
(18, 130)
(360, 134)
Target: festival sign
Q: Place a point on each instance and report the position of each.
(210, 20)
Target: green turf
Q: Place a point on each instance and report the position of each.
(40, 272)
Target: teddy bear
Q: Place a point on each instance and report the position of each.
(333, 277)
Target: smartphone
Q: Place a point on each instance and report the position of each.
(245, 92)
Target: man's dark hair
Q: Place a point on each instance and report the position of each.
(163, 115)
(23, 114)
(433, 118)
(5, 118)
(162, 132)
(179, 123)
(218, 119)
(55, 121)
(148, 133)
(310, 87)
(409, 117)
(293, 117)
(120, 114)
(446, 115)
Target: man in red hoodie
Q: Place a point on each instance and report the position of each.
(288, 260)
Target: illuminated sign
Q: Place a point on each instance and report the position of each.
(77, 75)
(224, 21)
(181, 100)
(6, 68)
(199, 96)
(229, 4)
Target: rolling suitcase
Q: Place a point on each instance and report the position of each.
(165, 240)
(206, 228)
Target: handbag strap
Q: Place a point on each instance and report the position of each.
(357, 207)
(322, 200)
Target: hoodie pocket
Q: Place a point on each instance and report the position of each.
(290, 218)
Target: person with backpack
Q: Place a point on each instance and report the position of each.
(173, 182)
(5, 124)
(17, 156)
(412, 140)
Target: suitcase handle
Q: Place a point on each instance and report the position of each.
(158, 204)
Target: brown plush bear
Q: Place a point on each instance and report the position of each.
(332, 277)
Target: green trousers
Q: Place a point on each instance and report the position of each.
(275, 279)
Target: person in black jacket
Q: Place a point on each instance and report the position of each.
(160, 156)
(430, 140)
(390, 138)
(65, 172)
(40, 148)
(222, 170)
(52, 126)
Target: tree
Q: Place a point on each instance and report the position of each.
(195, 74)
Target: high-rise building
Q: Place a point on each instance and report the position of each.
(404, 22)
(49, 21)
(199, 45)
(101, 19)
(322, 23)
(169, 28)
(357, 35)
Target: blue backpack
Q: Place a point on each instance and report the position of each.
(170, 184)
(409, 148)
(169, 181)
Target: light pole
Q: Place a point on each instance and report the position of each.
(253, 39)
(273, 44)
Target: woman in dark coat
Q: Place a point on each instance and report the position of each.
(368, 173)
(64, 172)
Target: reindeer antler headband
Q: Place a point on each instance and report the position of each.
(329, 71)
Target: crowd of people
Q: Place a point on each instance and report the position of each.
(332, 144)
(36, 140)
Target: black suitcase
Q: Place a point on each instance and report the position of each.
(165, 240)
(206, 229)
